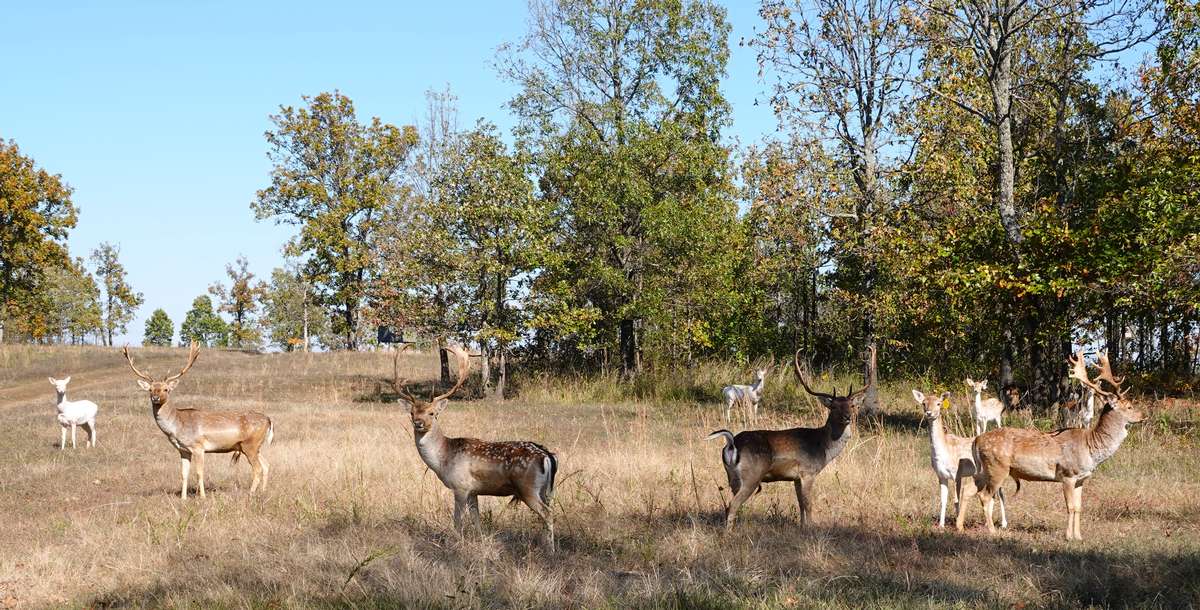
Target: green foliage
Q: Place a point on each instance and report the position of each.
(240, 300)
(203, 326)
(334, 177)
(290, 318)
(36, 214)
(120, 302)
(73, 300)
(159, 330)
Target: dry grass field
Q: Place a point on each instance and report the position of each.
(352, 517)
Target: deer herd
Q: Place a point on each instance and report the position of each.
(526, 470)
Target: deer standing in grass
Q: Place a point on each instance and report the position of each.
(195, 433)
(1070, 455)
(754, 457)
(950, 455)
(73, 413)
(470, 467)
(750, 395)
(984, 410)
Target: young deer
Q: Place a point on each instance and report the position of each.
(470, 467)
(195, 433)
(984, 411)
(1070, 455)
(950, 455)
(748, 394)
(72, 413)
(754, 457)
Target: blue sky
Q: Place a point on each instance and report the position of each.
(155, 111)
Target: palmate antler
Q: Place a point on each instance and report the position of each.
(1079, 372)
(464, 369)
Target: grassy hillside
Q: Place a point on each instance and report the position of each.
(353, 518)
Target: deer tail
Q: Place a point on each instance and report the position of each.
(729, 455)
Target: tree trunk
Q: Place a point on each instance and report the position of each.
(351, 328)
(1006, 366)
(1002, 108)
(1, 327)
(501, 375)
(629, 355)
(304, 315)
(485, 369)
(444, 359)
(870, 403)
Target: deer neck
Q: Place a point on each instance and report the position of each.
(432, 446)
(937, 434)
(978, 400)
(838, 435)
(62, 398)
(1106, 437)
(756, 387)
(167, 418)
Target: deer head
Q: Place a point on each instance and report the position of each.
(841, 408)
(424, 412)
(160, 390)
(976, 386)
(1116, 399)
(60, 385)
(931, 404)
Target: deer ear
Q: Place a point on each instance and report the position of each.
(171, 384)
(918, 396)
(983, 384)
(441, 404)
(144, 385)
(827, 402)
(51, 380)
(970, 383)
(67, 380)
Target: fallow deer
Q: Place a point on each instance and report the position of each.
(984, 410)
(470, 467)
(1070, 455)
(194, 432)
(754, 457)
(950, 455)
(73, 413)
(750, 395)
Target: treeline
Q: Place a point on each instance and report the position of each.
(970, 187)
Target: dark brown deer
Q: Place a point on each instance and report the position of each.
(754, 457)
(1069, 456)
(196, 432)
(473, 468)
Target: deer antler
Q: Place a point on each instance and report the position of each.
(464, 368)
(1079, 371)
(193, 353)
(1107, 375)
(800, 376)
(852, 393)
(397, 383)
(129, 359)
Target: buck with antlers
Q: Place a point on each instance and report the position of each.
(470, 467)
(1070, 455)
(195, 433)
(754, 457)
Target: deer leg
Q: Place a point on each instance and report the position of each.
(185, 467)
(473, 506)
(749, 486)
(728, 408)
(1003, 515)
(91, 430)
(944, 492)
(460, 506)
(988, 499)
(199, 457)
(62, 443)
(72, 435)
(804, 498)
(1078, 501)
(534, 502)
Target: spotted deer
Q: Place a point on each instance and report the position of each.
(195, 432)
(754, 457)
(1069, 456)
(984, 410)
(950, 455)
(470, 467)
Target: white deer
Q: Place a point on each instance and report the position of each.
(950, 455)
(749, 394)
(982, 410)
(73, 413)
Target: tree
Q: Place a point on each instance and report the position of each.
(842, 68)
(289, 317)
(240, 301)
(120, 301)
(74, 300)
(333, 177)
(621, 109)
(498, 234)
(36, 214)
(159, 330)
(203, 326)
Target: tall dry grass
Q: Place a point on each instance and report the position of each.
(352, 517)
